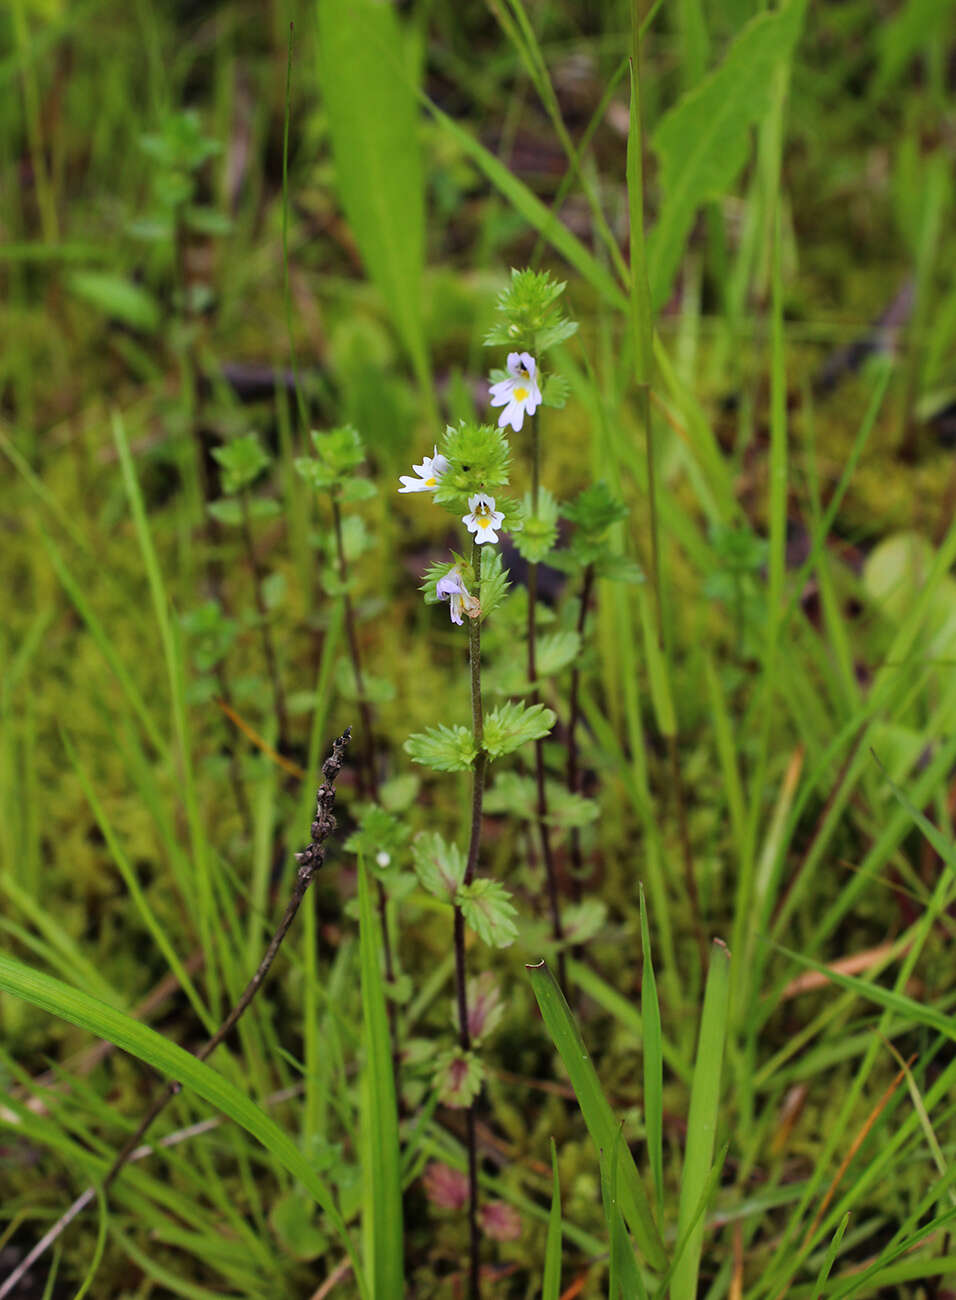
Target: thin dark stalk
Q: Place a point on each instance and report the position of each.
(461, 973)
(574, 712)
(541, 808)
(268, 649)
(310, 860)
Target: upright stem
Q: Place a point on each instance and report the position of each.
(541, 809)
(461, 973)
(268, 649)
(574, 708)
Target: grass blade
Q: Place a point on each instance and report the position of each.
(653, 1065)
(596, 1109)
(830, 1257)
(702, 1119)
(373, 122)
(382, 1162)
(551, 1286)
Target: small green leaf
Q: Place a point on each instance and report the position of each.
(292, 1219)
(556, 650)
(489, 911)
(540, 531)
(513, 724)
(619, 568)
(556, 392)
(117, 297)
(458, 1078)
(439, 866)
(398, 793)
(445, 749)
(494, 583)
(583, 921)
(354, 490)
(242, 461)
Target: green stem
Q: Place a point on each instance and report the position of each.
(461, 974)
(268, 649)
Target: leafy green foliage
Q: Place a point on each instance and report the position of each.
(228, 510)
(517, 795)
(338, 453)
(513, 724)
(242, 461)
(478, 459)
(540, 528)
(378, 832)
(489, 911)
(458, 1077)
(445, 749)
(439, 866)
(703, 142)
(211, 634)
(528, 316)
(494, 583)
(117, 297)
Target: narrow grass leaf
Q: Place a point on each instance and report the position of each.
(702, 1120)
(551, 1287)
(653, 1064)
(830, 1257)
(373, 123)
(596, 1109)
(382, 1159)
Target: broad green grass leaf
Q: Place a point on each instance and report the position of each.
(702, 1122)
(117, 297)
(704, 140)
(595, 1108)
(173, 1062)
(382, 1220)
(551, 1286)
(371, 102)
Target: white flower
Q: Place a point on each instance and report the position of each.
(452, 588)
(429, 472)
(520, 393)
(483, 518)
(383, 859)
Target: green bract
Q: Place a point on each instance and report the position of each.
(478, 458)
(242, 461)
(526, 314)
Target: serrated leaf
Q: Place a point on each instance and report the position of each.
(511, 725)
(489, 911)
(556, 391)
(117, 297)
(358, 489)
(439, 866)
(494, 583)
(704, 140)
(444, 749)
